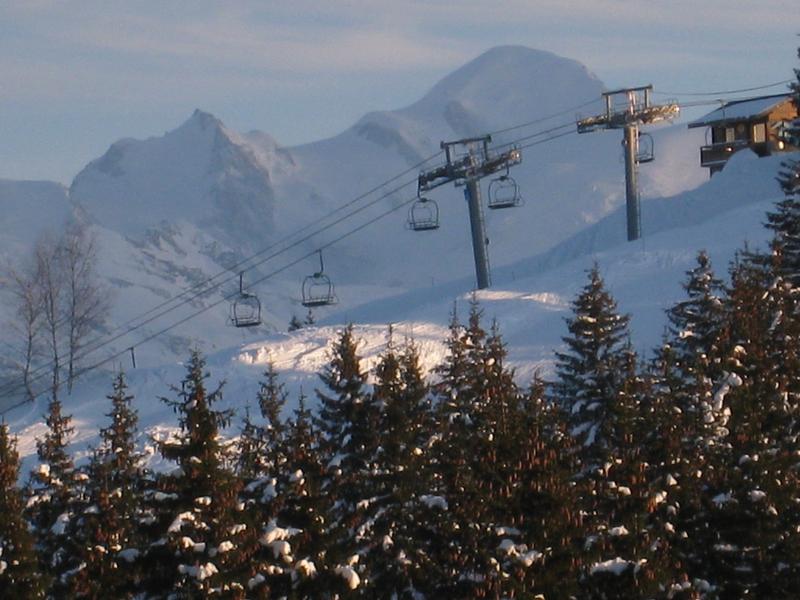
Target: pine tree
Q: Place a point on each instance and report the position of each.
(500, 469)
(784, 221)
(250, 462)
(789, 178)
(263, 459)
(546, 539)
(692, 355)
(197, 521)
(401, 393)
(589, 371)
(303, 510)
(19, 573)
(678, 460)
(623, 548)
(294, 324)
(448, 564)
(476, 469)
(347, 420)
(107, 529)
(54, 498)
(753, 516)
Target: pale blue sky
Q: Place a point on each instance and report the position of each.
(78, 75)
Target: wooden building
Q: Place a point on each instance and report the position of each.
(754, 123)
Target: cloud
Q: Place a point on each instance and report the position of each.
(243, 41)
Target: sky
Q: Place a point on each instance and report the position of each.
(79, 75)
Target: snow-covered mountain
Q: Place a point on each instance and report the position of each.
(529, 300)
(172, 211)
(199, 173)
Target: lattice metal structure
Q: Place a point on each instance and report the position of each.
(468, 161)
(629, 109)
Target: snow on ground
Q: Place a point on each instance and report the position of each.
(529, 299)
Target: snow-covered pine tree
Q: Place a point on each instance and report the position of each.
(303, 509)
(542, 553)
(475, 469)
(110, 543)
(690, 363)
(249, 458)
(400, 391)
(266, 490)
(348, 423)
(789, 177)
(676, 457)
(198, 521)
(501, 471)
(426, 540)
(260, 449)
(589, 371)
(623, 553)
(754, 516)
(20, 576)
(784, 220)
(447, 514)
(684, 426)
(54, 496)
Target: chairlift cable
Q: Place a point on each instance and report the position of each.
(11, 388)
(227, 298)
(241, 264)
(45, 369)
(724, 92)
(131, 327)
(545, 118)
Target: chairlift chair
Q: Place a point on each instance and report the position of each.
(504, 192)
(645, 148)
(423, 215)
(318, 289)
(245, 309)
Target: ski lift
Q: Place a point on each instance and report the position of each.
(317, 288)
(644, 148)
(423, 215)
(246, 308)
(504, 192)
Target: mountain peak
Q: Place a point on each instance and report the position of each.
(516, 79)
(202, 120)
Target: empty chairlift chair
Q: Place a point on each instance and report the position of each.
(504, 192)
(317, 288)
(245, 308)
(423, 215)
(645, 148)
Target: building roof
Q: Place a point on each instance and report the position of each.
(739, 110)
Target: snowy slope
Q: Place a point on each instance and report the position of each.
(645, 277)
(174, 210)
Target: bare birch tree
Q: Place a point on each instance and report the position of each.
(59, 302)
(25, 287)
(51, 280)
(86, 301)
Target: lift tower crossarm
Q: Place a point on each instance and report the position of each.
(637, 109)
(460, 171)
(468, 171)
